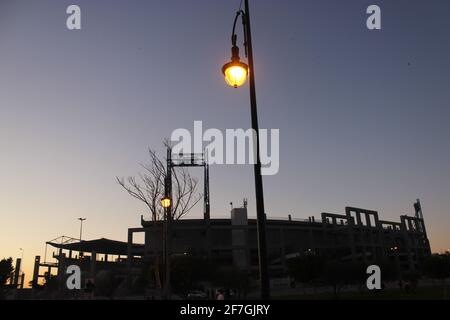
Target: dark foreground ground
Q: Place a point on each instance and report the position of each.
(423, 293)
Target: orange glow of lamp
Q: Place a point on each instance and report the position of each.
(235, 71)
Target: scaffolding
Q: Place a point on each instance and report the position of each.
(192, 160)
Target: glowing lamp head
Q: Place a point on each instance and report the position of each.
(166, 202)
(235, 72)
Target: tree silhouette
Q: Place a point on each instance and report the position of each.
(307, 269)
(230, 277)
(150, 186)
(437, 266)
(339, 274)
(6, 270)
(187, 272)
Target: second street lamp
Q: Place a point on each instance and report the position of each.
(166, 202)
(235, 73)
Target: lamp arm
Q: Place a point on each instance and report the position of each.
(233, 34)
(244, 25)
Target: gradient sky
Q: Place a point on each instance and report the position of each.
(364, 116)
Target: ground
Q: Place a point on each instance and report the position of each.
(424, 293)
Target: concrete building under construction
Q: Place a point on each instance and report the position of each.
(356, 235)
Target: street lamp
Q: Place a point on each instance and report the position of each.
(166, 202)
(236, 73)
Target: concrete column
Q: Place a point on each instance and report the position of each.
(147, 242)
(49, 273)
(410, 226)
(324, 218)
(351, 238)
(209, 241)
(368, 222)
(61, 263)
(37, 262)
(312, 244)
(283, 248)
(239, 239)
(17, 272)
(61, 270)
(358, 218)
(130, 256)
(93, 262)
(377, 220)
(22, 280)
(129, 251)
(403, 224)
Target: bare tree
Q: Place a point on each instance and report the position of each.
(149, 188)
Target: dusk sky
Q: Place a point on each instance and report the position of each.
(364, 116)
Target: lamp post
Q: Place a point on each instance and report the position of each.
(166, 203)
(235, 73)
(81, 226)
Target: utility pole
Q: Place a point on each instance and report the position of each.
(260, 213)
